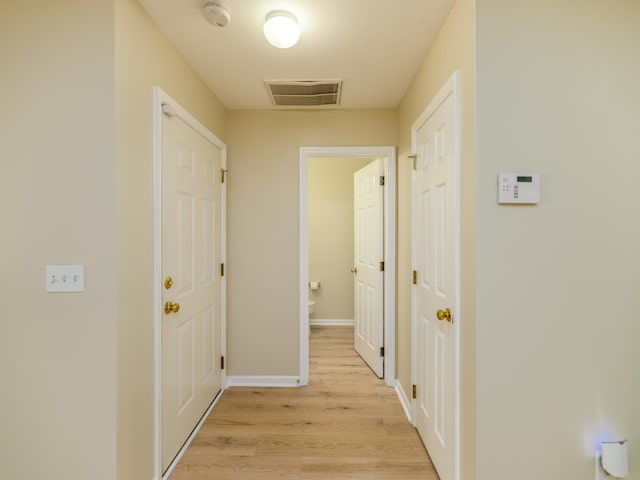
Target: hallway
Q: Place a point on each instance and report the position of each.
(346, 424)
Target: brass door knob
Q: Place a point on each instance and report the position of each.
(354, 270)
(444, 315)
(171, 307)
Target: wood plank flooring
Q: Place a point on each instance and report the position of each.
(346, 424)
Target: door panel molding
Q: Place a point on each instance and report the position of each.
(388, 153)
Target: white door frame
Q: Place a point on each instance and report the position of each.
(450, 88)
(389, 156)
(162, 103)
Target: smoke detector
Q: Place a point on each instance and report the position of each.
(217, 14)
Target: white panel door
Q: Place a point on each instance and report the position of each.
(435, 250)
(191, 256)
(368, 253)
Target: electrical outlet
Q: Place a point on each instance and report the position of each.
(64, 278)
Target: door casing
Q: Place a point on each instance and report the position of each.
(388, 154)
(162, 99)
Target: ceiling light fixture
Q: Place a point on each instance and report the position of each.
(281, 29)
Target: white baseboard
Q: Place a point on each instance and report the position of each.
(404, 401)
(262, 381)
(334, 322)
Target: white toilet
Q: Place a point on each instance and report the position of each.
(312, 302)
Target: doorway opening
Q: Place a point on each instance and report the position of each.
(331, 238)
(359, 154)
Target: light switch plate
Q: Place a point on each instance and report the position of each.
(64, 278)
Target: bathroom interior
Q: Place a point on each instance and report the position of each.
(331, 239)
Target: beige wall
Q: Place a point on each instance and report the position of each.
(57, 192)
(77, 189)
(558, 356)
(263, 257)
(330, 191)
(144, 58)
(452, 50)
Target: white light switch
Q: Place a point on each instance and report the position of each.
(65, 278)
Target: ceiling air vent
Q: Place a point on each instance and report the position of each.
(304, 93)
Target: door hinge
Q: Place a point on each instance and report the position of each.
(382, 180)
(382, 351)
(222, 269)
(414, 159)
(382, 266)
(415, 392)
(221, 363)
(224, 175)
(415, 277)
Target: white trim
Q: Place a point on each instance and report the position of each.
(389, 156)
(262, 381)
(414, 267)
(303, 279)
(450, 88)
(331, 322)
(404, 401)
(458, 130)
(160, 98)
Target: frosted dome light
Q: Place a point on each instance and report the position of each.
(281, 29)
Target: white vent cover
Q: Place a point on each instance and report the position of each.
(304, 93)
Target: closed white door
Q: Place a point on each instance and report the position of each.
(192, 294)
(368, 254)
(435, 293)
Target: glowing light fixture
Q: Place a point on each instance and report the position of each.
(281, 29)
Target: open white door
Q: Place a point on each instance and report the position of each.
(436, 296)
(192, 221)
(369, 260)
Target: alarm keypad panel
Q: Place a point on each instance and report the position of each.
(518, 188)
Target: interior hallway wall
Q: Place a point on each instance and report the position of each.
(58, 207)
(453, 49)
(331, 232)
(144, 58)
(558, 282)
(263, 191)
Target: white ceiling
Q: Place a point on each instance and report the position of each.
(375, 46)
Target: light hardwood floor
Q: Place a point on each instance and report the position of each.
(346, 424)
